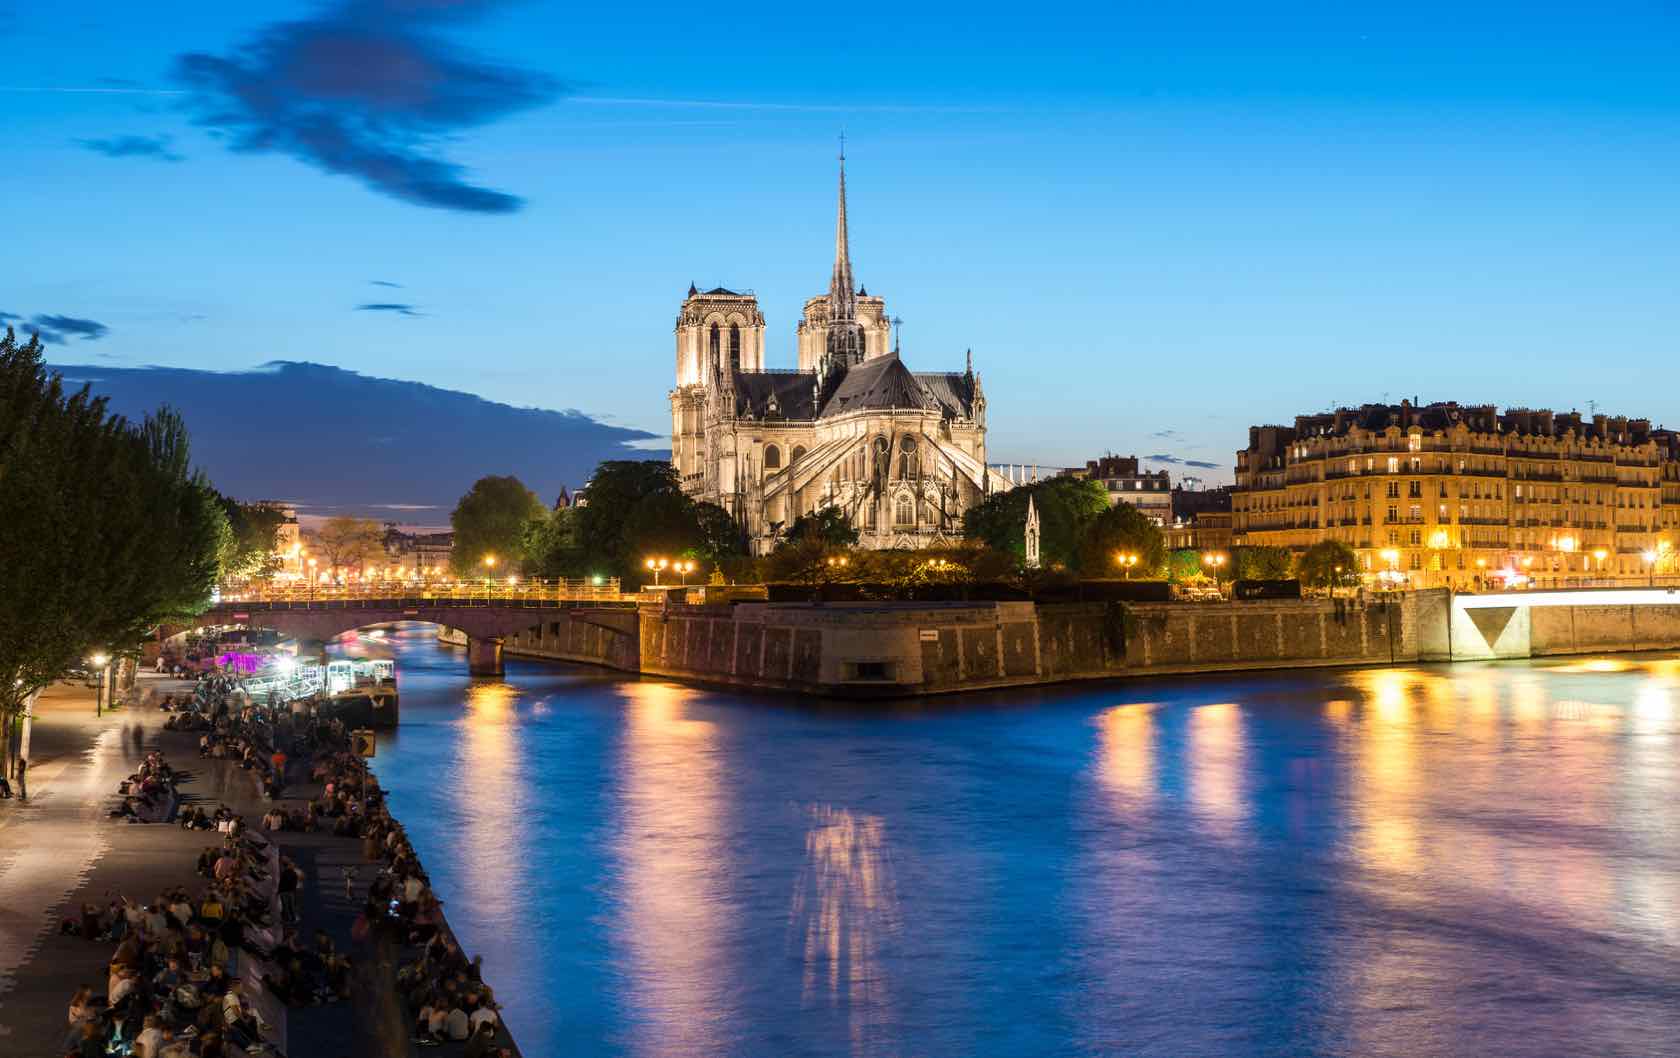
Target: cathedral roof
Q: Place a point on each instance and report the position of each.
(776, 394)
(954, 390)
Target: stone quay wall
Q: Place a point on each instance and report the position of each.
(865, 649)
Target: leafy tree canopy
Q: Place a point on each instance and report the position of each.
(1262, 563)
(493, 519)
(108, 530)
(827, 526)
(1065, 505)
(254, 534)
(720, 536)
(1328, 563)
(1122, 530)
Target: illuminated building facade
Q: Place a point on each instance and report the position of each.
(1446, 495)
(901, 454)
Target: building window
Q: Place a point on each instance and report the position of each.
(716, 348)
(772, 457)
(1394, 464)
(735, 347)
(904, 511)
(798, 451)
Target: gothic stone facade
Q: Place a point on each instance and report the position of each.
(902, 454)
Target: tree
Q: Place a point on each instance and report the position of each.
(493, 519)
(1065, 505)
(254, 535)
(660, 525)
(1185, 564)
(1122, 530)
(827, 526)
(551, 546)
(1262, 563)
(604, 526)
(1327, 564)
(720, 535)
(108, 530)
(351, 543)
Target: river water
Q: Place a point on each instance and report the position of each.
(1472, 860)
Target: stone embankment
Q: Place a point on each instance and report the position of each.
(899, 649)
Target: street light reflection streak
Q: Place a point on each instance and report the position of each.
(843, 913)
(492, 770)
(1216, 761)
(674, 900)
(1126, 764)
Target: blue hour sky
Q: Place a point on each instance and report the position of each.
(1154, 223)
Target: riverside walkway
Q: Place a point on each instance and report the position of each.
(61, 849)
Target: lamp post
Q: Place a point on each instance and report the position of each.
(1125, 560)
(683, 568)
(658, 566)
(1598, 557)
(1650, 558)
(102, 663)
(489, 563)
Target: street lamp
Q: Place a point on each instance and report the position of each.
(684, 568)
(1125, 560)
(658, 566)
(1598, 556)
(1650, 558)
(101, 662)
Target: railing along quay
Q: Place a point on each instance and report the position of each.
(528, 593)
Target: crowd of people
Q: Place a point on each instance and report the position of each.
(148, 796)
(172, 990)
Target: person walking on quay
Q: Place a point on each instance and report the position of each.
(23, 779)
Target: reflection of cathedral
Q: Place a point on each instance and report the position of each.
(901, 453)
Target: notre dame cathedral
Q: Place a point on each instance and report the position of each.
(901, 453)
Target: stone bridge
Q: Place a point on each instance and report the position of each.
(486, 622)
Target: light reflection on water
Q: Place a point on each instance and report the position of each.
(1416, 860)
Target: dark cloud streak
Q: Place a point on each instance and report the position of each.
(56, 330)
(396, 307)
(133, 147)
(1172, 460)
(363, 89)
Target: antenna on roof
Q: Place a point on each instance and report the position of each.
(898, 325)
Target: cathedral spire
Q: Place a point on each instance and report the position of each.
(842, 299)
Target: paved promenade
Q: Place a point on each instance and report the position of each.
(61, 849)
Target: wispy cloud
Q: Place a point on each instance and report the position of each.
(364, 88)
(395, 307)
(1167, 435)
(133, 147)
(753, 104)
(56, 330)
(1168, 458)
(97, 90)
(385, 283)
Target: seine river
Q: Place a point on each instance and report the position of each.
(1475, 860)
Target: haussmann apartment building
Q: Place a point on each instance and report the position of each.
(1444, 495)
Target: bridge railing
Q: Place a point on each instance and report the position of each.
(606, 589)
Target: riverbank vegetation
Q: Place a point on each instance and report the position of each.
(108, 529)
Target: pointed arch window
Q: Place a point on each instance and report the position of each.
(735, 347)
(715, 348)
(772, 457)
(798, 453)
